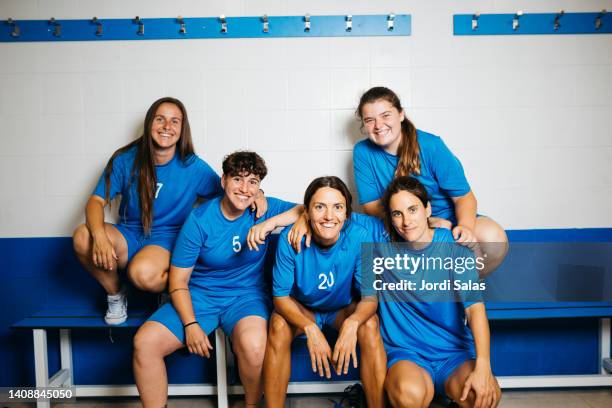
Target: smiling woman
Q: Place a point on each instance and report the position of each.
(316, 287)
(158, 177)
(215, 281)
(394, 148)
(430, 349)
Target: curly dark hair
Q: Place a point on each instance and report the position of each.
(241, 162)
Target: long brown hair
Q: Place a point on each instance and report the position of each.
(144, 162)
(402, 183)
(408, 150)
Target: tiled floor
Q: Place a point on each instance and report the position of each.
(580, 398)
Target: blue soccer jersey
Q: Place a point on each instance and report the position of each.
(179, 184)
(434, 330)
(323, 279)
(216, 247)
(441, 173)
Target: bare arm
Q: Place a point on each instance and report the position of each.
(465, 211)
(481, 380)
(196, 339)
(103, 254)
(346, 345)
(375, 209)
(318, 347)
(258, 232)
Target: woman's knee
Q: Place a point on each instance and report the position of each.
(145, 344)
(251, 349)
(406, 394)
(81, 240)
(489, 231)
(368, 333)
(154, 340)
(147, 276)
(280, 333)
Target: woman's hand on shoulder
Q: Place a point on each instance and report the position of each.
(465, 236)
(197, 341)
(436, 222)
(260, 205)
(297, 232)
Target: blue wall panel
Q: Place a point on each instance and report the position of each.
(43, 272)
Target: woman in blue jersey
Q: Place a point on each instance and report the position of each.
(430, 350)
(322, 285)
(215, 280)
(159, 178)
(394, 147)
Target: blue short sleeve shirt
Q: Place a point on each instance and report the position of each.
(322, 279)
(216, 248)
(441, 173)
(179, 184)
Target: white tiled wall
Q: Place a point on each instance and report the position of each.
(529, 116)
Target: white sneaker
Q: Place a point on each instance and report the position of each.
(117, 308)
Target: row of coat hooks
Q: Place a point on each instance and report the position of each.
(205, 27)
(556, 21)
(560, 22)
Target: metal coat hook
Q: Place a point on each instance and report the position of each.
(557, 24)
(16, 30)
(182, 29)
(98, 25)
(138, 21)
(475, 21)
(515, 20)
(266, 23)
(349, 23)
(307, 23)
(223, 23)
(57, 31)
(391, 22)
(598, 19)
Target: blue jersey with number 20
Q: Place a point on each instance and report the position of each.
(324, 279)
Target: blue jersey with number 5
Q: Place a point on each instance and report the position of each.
(216, 248)
(324, 279)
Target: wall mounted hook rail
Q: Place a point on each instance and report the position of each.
(208, 27)
(560, 22)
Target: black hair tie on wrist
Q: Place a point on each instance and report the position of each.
(189, 324)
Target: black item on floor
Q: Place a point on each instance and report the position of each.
(353, 395)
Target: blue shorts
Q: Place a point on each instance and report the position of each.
(438, 370)
(136, 239)
(323, 319)
(214, 311)
(326, 318)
